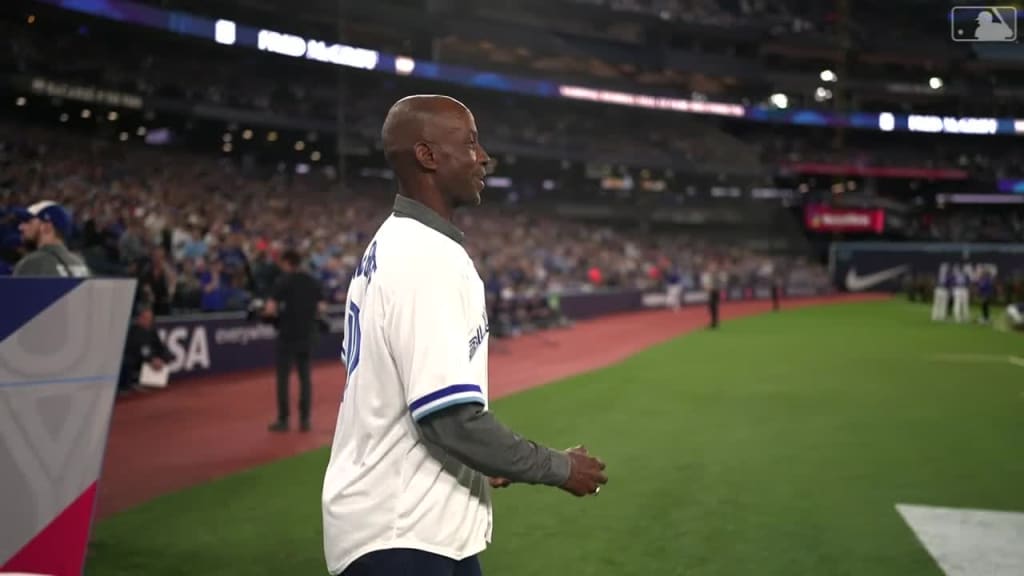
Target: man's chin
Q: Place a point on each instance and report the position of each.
(471, 202)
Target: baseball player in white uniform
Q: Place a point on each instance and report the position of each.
(416, 452)
(940, 296)
(961, 295)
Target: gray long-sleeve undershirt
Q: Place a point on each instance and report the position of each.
(480, 441)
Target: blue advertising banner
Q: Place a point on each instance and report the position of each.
(886, 266)
(210, 344)
(222, 343)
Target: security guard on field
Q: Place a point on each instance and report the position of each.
(713, 286)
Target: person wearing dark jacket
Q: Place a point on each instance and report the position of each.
(295, 306)
(142, 346)
(986, 293)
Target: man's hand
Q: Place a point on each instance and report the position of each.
(499, 482)
(586, 473)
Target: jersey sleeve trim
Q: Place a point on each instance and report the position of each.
(445, 397)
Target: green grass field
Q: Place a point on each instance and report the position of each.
(776, 446)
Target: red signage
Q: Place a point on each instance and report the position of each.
(821, 218)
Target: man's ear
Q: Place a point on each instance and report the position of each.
(425, 155)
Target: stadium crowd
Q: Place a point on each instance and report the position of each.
(994, 224)
(204, 233)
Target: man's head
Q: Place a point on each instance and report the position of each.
(43, 223)
(290, 260)
(144, 316)
(432, 144)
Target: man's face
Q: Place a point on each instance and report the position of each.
(30, 233)
(462, 161)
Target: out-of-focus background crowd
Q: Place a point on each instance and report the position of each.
(192, 166)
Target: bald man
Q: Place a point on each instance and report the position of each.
(416, 452)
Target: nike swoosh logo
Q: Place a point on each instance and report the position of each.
(855, 283)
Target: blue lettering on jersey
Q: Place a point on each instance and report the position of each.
(368, 264)
(352, 341)
(478, 338)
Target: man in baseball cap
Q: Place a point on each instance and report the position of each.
(44, 226)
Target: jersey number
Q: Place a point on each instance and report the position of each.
(353, 336)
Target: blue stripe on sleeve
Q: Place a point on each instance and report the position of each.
(417, 416)
(438, 394)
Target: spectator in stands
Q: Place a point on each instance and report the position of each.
(264, 270)
(188, 292)
(131, 245)
(139, 198)
(10, 242)
(158, 280)
(216, 287)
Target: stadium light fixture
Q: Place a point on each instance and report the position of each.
(404, 65)
(247, 134)
(272, 136)
(20, 101)
(225, 32)
(112, 116)
(86, 113)
(828, 76)
(779, 100)
(227, 137)
(935, 83)
(31, 18)
(300, 146)
(822, 94)
(64, 117)
(315, 156)
(123, 136)
(227, 147)
(141, 131)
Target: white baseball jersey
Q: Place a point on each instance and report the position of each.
(415, 342)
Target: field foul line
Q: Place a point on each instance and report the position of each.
(1017, 361)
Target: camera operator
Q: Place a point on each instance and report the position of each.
(294, 307)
